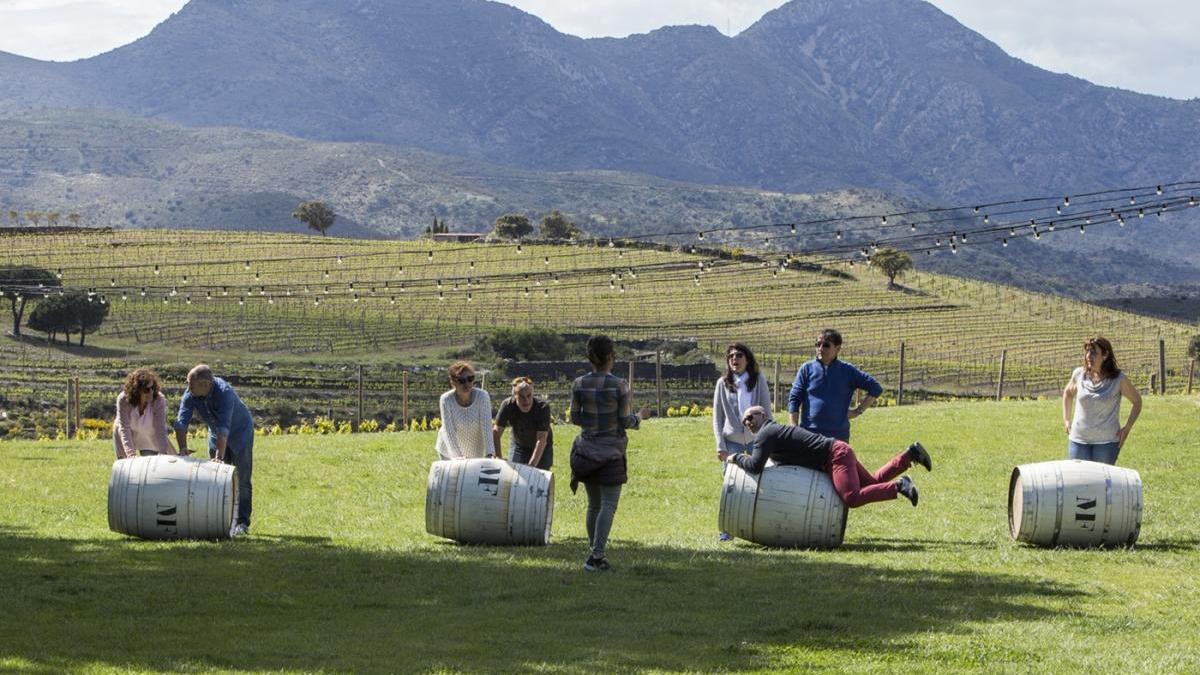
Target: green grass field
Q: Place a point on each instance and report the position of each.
(339, 575)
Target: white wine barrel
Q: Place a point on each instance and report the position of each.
(489, 501)
(1072, 502)
(172, 497)
(788, 506)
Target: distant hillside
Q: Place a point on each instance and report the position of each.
(120, 171)
(818, 95)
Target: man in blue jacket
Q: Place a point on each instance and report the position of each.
(821, 393)
(230, 432)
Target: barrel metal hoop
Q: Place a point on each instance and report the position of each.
(1058, 507)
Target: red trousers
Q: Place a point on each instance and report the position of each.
(855, 485)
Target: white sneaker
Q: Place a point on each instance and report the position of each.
(238, 530)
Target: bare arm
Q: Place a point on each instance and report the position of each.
(1068, 403)
(1135, 407)
(497, 434)
(866, 402)
(539, 448)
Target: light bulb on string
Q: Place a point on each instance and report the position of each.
(1082, 230)
(953, 248)
(112, 282)
(1066, 201)
(793, 228)
(622, 288)
(1141, 213)
(986, 219)
(225, 291)
(143, 291)
(124, 296)
(545, 292)
(441, 296)
(156, 272)
(963, 237)
(208, 295)
(838, 234)
(1132, 200)
(527, 291)
(356, 297)
(247, 264)
(271, 300)
(339, 260)
(317, 301)
(701, 235)
(912, 227)
(546, 260)
(1058, 210)
(1004, 242)
(883, 220)
(326, 274)
(1050, 226)
(1158, 189)
(519, 249)
(430, 255)
(166, 300)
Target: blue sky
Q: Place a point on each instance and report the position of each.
(1150, 46)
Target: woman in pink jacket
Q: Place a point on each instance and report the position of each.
(141, 422)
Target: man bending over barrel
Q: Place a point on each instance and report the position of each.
(786, 444)
(230, 432)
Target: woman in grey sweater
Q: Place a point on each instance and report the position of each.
(741, 388)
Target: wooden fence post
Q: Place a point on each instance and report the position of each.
(67, 408)
(1153, 383)
(78, 417)
(359, 416)
(775, 392)
(1191, 370)
(900, 380)
(631, 369)
(658, 380)
(1000, 381)
(404, 399)
(1162, 366)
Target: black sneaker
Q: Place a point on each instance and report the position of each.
(906, 487)
(597, 565)
(919, 455)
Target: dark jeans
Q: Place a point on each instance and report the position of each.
(602, 506)
(243, 461)
(519, 455)
(1105, 453)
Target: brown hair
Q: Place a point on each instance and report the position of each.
(138, 380)
(1108, 368)
(599, 348)
(458, 367)
(832, 336)
(751, 367)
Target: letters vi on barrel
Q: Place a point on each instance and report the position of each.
(166, 518)
(489, 480)
(1085, 512)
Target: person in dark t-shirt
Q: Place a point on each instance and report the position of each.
(532, 439)
(787, 444)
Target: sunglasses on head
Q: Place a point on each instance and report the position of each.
(522, 380)
(465, 379)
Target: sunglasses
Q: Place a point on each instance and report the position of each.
(825, 344)
(736, 355)
(466, 379)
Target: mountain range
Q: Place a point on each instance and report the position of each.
(818, 96)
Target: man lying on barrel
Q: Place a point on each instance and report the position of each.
(787, 444)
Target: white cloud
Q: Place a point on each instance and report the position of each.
(64, 30)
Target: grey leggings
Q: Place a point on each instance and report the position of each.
(602, 505)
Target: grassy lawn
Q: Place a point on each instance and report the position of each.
(339, 575)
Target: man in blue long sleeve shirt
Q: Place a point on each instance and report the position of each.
(230, 432)
(821, 393)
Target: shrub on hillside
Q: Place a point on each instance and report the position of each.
(527, 344)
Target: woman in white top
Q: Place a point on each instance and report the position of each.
(141, 422)
(466, 417)
(1092, 405)
(741, 388)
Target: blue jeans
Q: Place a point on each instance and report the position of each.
(243, 460)
(602, 506)
(735, 448)
(1105, 453)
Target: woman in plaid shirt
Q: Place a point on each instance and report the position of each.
(600, 406)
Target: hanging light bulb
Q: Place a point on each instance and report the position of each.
(271, 300)
(953, 248)
(527, 291)
(986, 219)
(519, 249)
(317, 301)
(339, 260)
(1158, 189)
(793, 228)
(156, 271)
(1081, 229)
(883, 220)
(124, 296)
(1005, 242)
(1132, 200)
(701, 235)
(622, 288)
(1012, 231)
(441, 296)
(545, 292)
(208, 295)
(839, 235)
(143, 291)
(165, 299)
(247, 264)
(356, 297)
(612, 284)
(431, 255)
(1141, 213)
(546, 260)
(610, 242)
(468, 296)
(326, 274)
(696, 279)
(963, 237)
(174, 292)
(1050, 225)
(1066, 201)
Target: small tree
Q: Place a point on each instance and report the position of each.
(20, 284)
(555, 225)
(513, 226)
(34, 217)
(14, 217)
(891, 263)
(71, 312)
(74, 218)
(316, 215)
(52, 218)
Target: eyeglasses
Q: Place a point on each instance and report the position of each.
(736, 355)
(466, 379)
(825, 344)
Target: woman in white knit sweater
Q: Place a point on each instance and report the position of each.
(466, 417)
(742, 387)
(141, 421)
